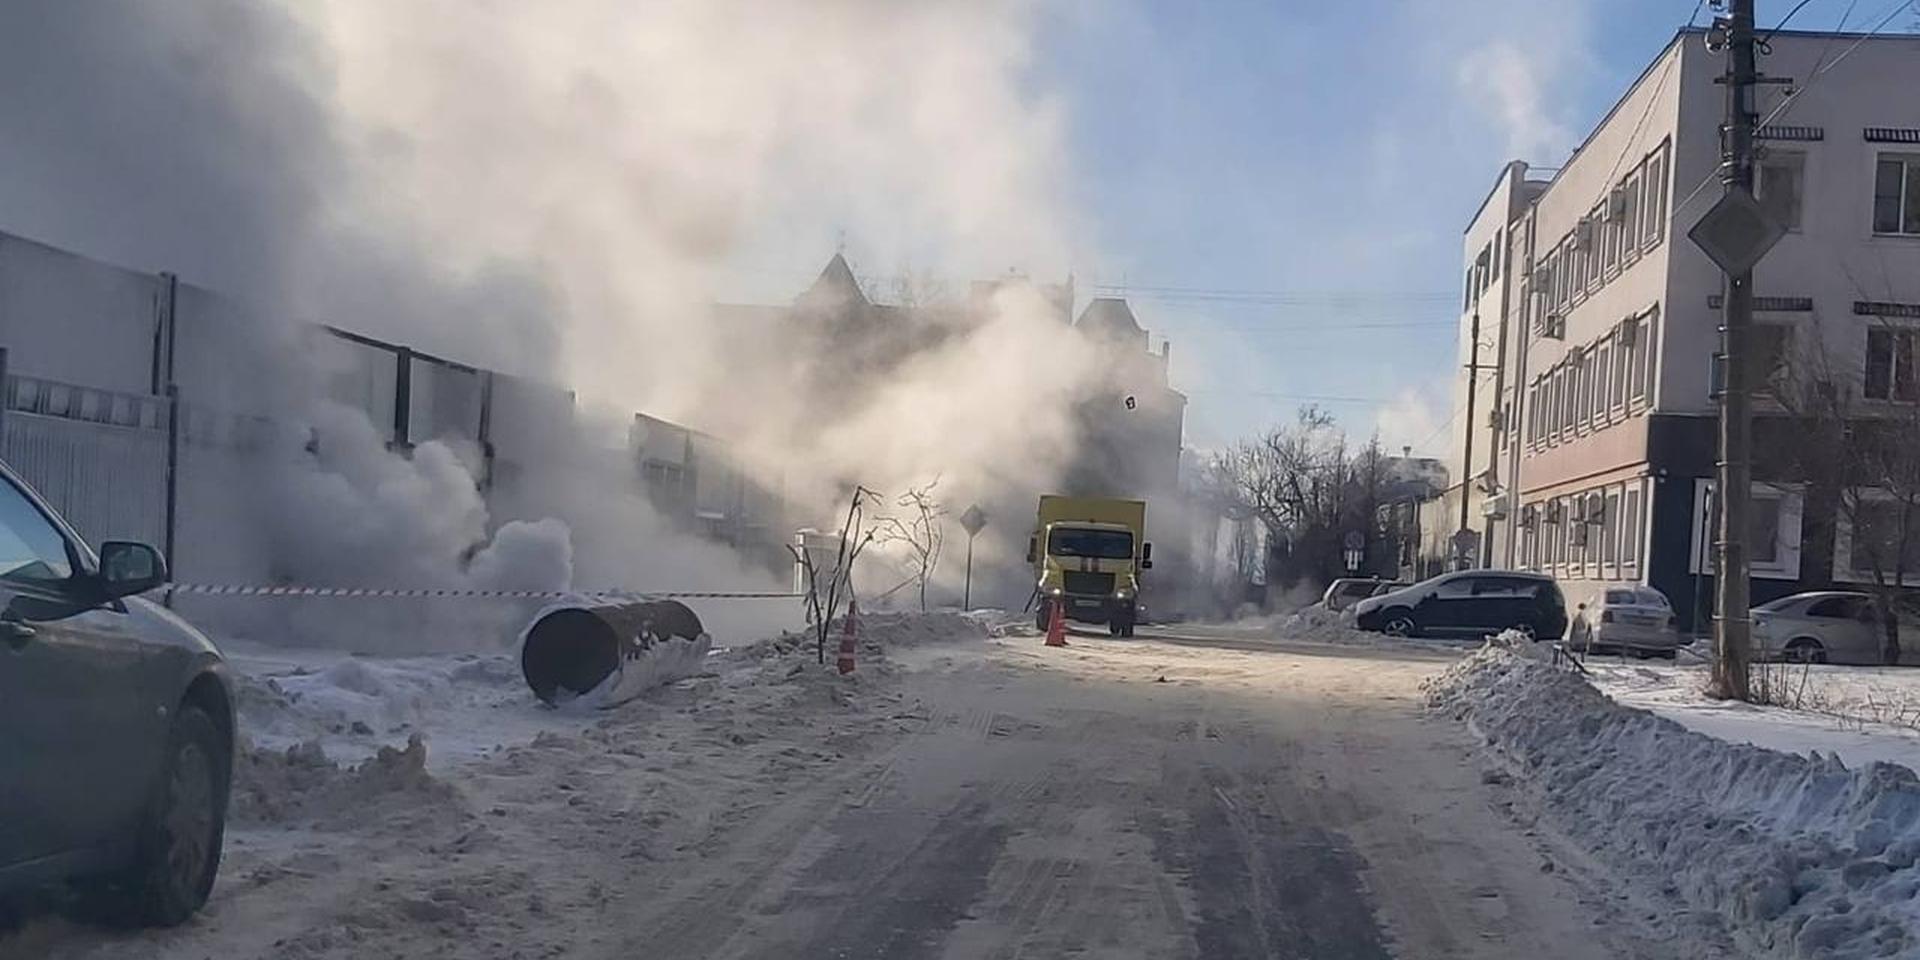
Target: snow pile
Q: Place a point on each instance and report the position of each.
(302, 783)
(885, 630)
(1319, 624)
(354, 705)
(1002, 623)
(1798, 855)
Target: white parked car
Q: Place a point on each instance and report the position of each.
(1824, 626)
(1630, 618)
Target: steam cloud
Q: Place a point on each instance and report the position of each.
(559, 190)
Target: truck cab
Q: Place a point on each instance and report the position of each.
(1088, 555)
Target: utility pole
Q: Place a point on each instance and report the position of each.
(1732, 626)
(1466, 456)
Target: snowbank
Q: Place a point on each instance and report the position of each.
(1863, 714)
(302, 783)
(1798, 855)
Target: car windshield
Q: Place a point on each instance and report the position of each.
(1081, 542)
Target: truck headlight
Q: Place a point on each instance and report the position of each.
(1122, 594)
(1053, 591)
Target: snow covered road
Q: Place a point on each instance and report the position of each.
(1195, 794)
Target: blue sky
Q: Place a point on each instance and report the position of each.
(1328, 148)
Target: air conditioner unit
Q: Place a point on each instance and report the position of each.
(1596, 509)
(1579, 505)
(1580, 535)
(1529, 514)
(1617, 205)
(1494, 507)
(1583, 234)
(1543, 279)
(1629, 332)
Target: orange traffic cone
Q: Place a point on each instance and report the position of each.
(847, 637)
(1056, 625)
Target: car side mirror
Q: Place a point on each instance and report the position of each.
(1146, 551)
(128, 567)
(1033, 549)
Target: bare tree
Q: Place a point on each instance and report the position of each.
(1303, 484)
(922, 533)
(828, 588)
(1861, 455)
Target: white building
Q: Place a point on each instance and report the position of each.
(1603, 433)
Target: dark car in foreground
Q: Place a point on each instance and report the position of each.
(1468, 603)
(116, 725)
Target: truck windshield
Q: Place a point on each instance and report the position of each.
(1105, 544)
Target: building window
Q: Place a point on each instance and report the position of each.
(1763, 530)
(1767, 355)
(1889, 373)
(1589, 386)
(1779, 178)
(1498, 250)
(1622, 368)
(1896, 194)
(1630, 528)
(1607, 394)
(1630, 221)
(1610, 527)
(1874, 538)
(1643, 342)
(1656, 218)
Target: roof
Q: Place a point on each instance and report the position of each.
(1112, 316)
(835, 285)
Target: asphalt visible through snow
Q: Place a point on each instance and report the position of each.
(1187, 793)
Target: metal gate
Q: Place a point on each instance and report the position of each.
(100, 457)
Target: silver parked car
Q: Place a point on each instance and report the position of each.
(117, 725)
(1347, 591)
(1824, 626)
(1630, 618)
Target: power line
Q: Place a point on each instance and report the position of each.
(1442, 428)
(1302, 295)
(1782, 25)
(1820, 70)
(1301, 397)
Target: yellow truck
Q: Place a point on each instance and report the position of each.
(1087, 555)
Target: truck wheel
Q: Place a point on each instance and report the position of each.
(177, 850)
(1040, 616)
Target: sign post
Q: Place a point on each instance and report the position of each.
(973, 521)
(1356, 550)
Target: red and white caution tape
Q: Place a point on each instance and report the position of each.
(249, 590)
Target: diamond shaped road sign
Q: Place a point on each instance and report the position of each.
(974, 520)
(1737, 232)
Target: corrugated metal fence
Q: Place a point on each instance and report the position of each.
(98, 456)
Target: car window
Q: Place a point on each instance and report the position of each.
(1623, 597)
(32, 551)
(1457, 587)
(1502, 587)
(1776, 606)
(1835, 608)
(1653, 598)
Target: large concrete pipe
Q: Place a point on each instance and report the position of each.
(610, 651)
